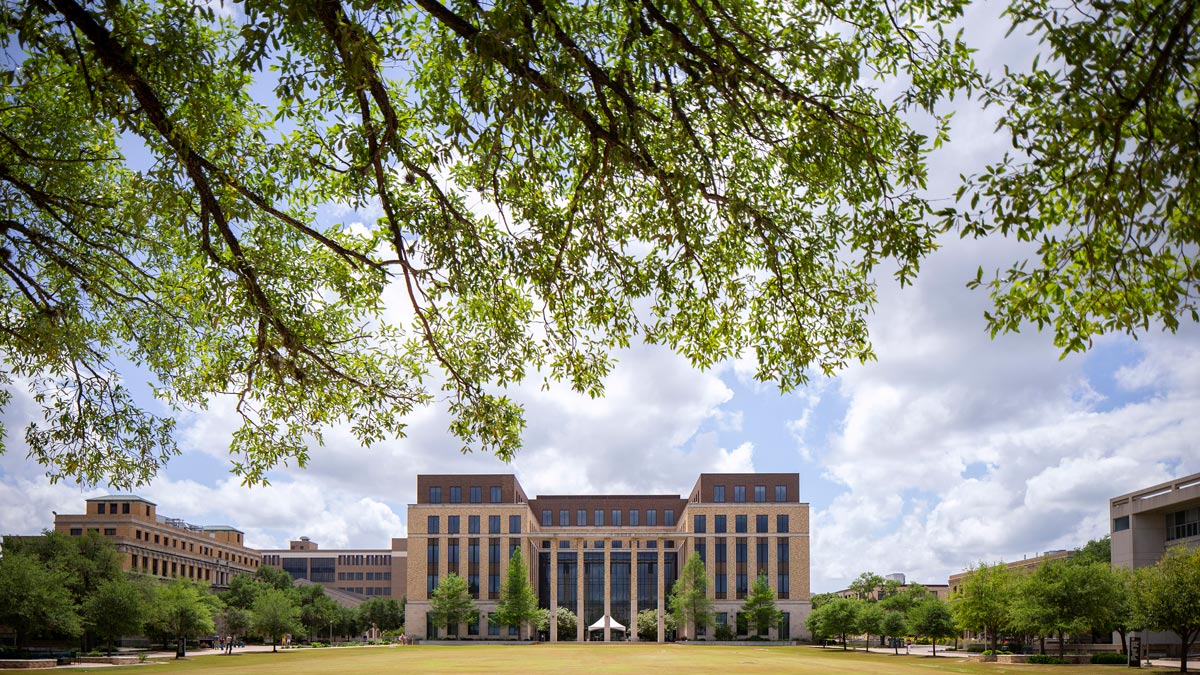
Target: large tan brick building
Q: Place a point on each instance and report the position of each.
(168, 548)
(609, 555)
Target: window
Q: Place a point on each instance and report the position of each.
(781, 493)
(699, 525)
(781, 522)
(581, 517)
(493, 524)
(719, 523)
(76, 531)
(616, 517)
(760, 523)
(435, 495)
(564, 518)
(514, 523)
(1121, 524)
(430, 583)
(496, 497)
(125, 507)
(760, 493)
(739, 523)
(720, 585)
(452, 524)
(598, 518)
(476, 494)
(739, 493)
(633, 517)
(547, 518)
(493, 627)
(700, 551)
(740, 550)
(100, 508)
(473, 524)
(718, 493)
(669, 517)
(455, 494)
(652, 517)
(493, 584)
(1183, 524)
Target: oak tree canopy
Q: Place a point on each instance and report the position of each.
(336, 212)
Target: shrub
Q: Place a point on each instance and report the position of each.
(1109, 658)
(724, 632)
(1044, 658)
(988, 652)
(975, 649)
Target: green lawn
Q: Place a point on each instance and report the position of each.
(619, 658)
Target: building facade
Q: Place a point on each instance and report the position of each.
(168, 548)
(609, 555)
(365, 573)
(1145, 524)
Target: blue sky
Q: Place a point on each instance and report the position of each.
(950, 448)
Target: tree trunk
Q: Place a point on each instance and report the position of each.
(867, 644)
(1041, 644)
(1061, 646)
(843, 642)
(1124, 645)
(934, 643)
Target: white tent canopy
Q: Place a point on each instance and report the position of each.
(612, 624)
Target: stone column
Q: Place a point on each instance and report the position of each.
(607, 590)
(581, 624)
(662, 582)
(554, 590)
(633, 590)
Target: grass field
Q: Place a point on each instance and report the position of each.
(608, 659)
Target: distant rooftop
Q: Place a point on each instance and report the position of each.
(121, 498)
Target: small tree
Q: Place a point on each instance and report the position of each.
(518, 602)
(115, 609)
(233, 623)
(840, 617)
(275, 614)
(870, 621)
(760, 606)
(384, 613)
(984, 603)
(568, 623)
(451, 603)
(181, 611)
(894, 626)
(1167, 597)
(689, 600)
(931, 618)
(316, 609)
(647, 624)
